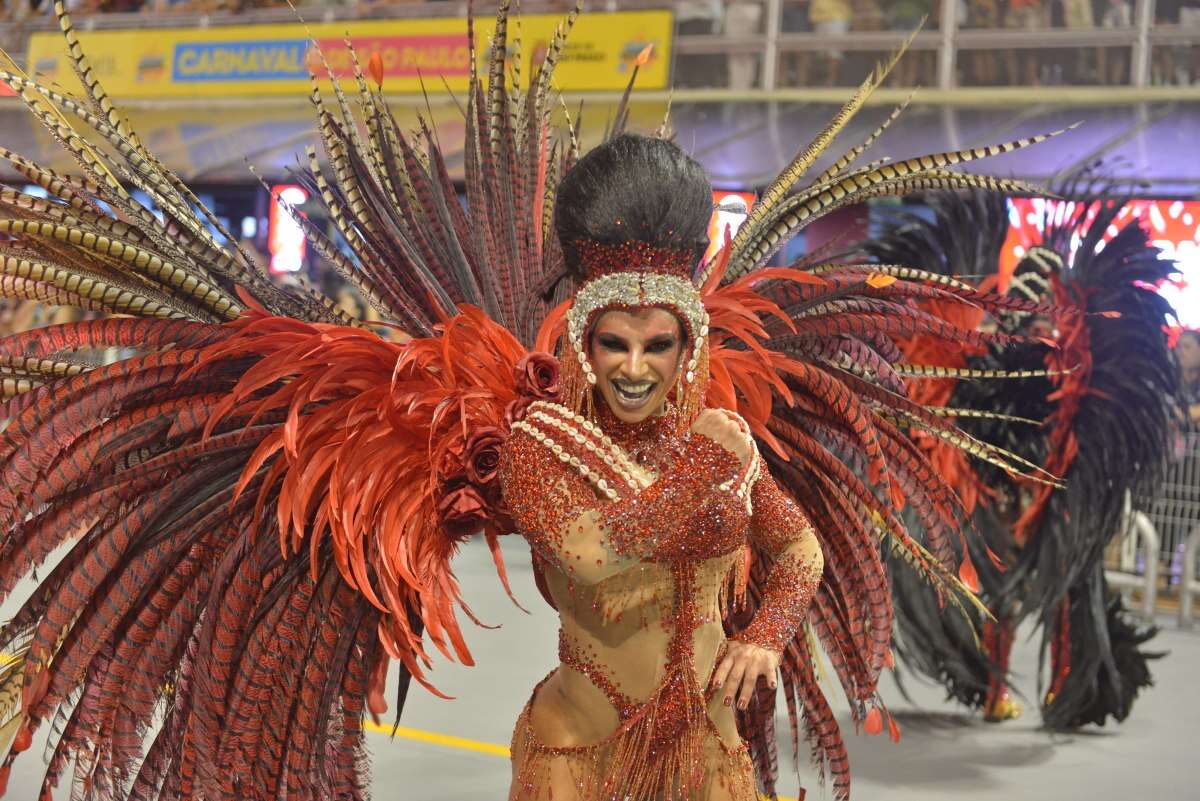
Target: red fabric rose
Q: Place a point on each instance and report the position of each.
(537, 376)
(483, 455)
(463, 512)
(515, 411)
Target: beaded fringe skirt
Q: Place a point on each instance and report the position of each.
(635, 762)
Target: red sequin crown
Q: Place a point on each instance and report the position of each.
(598, 259)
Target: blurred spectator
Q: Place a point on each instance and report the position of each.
(795, 63)
(907, 15)
(1114, 61)
(742, 18)
(1028, 15)
(1078, 16)
(867, 15)
(1179, 64)
(981, 14)
(76, 8)
(82, 8)
(1189, 13)
(983, 64)
(831, 18)
(1187, 351)
(184, 6)
(1189, 17)
(1117, 14)
(697, 18)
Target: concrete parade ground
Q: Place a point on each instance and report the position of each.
(457, 750)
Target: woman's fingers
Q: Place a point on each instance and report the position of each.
(739, 672)
(722, 672)
(749, 683)
(726, 431)
(735, 680)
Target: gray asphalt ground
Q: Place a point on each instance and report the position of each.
(945, 753)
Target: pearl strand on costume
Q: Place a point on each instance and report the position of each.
(567, 458)
(544, 410)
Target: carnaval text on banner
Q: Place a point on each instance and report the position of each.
(258, 60)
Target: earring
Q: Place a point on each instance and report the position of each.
(693, 385)
(578, 381)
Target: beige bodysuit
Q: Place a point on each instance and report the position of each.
(641, 576)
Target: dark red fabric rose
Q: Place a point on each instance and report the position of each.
(483, 455)
(537, 376)
(449, 459)
(515, 411)
(463, 512)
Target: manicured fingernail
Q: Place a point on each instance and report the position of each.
(728, 701)
(742, 705)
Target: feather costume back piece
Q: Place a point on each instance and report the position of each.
(1101, 404)
(260, 502)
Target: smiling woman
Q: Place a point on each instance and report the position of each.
(638, 521)
(636, 357)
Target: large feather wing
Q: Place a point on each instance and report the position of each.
(813, 359)
(259, 502)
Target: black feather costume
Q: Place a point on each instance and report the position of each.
(1104, 408)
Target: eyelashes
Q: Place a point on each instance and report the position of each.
(618, 346)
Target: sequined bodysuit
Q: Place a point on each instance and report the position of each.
(640, 576)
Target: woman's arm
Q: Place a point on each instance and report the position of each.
(782, 529)
(778, 526)
(554, 507)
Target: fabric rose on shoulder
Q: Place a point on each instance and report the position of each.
(516, 411)
(463, 511)
(483, 455)
(537, 376)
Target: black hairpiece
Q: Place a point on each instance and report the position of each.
(634, 189)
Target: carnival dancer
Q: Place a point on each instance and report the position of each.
(260, 506)
(1095, 408)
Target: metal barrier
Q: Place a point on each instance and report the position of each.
(1137, 530)
(1174, 509)
(1188, 586)
(1173, 514)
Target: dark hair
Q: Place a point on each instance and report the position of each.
(634, 189)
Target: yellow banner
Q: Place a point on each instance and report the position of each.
(259, 60)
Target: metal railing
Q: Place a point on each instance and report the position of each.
(1188, 585)
(1138, 537)
(1171, 521)
(946, 39)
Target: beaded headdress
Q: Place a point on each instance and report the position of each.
(633, 275)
